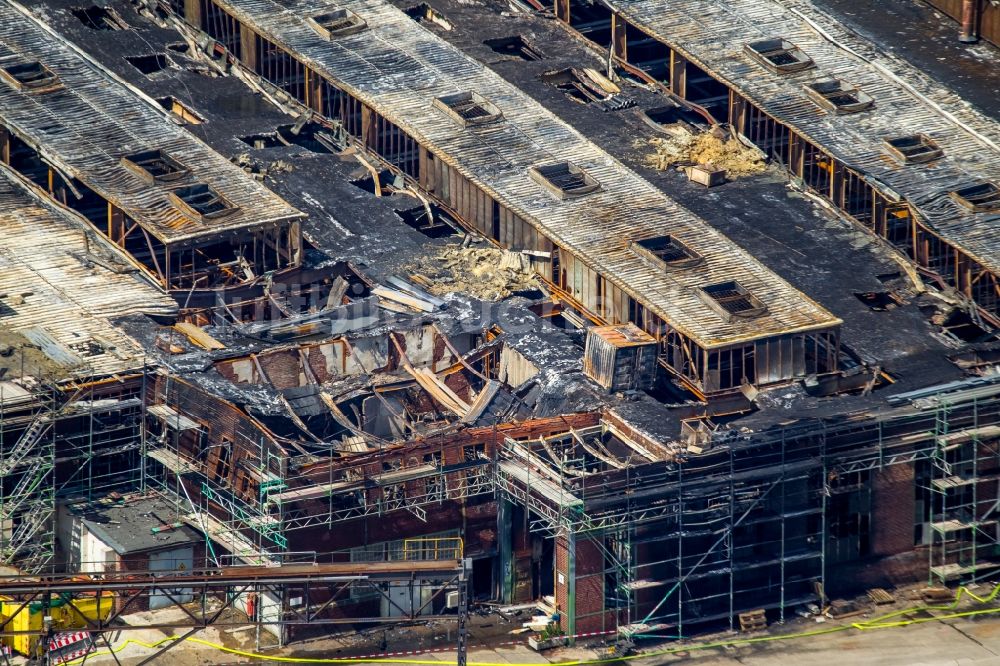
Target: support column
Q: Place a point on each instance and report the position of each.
(619, 42)
(192, 12)
(970, 19)
(562, 10)
(505, 560)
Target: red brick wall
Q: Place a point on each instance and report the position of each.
(590, 613)
(893, 497)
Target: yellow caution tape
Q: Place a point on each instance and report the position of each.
(882, 622)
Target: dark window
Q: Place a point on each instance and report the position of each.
(468, 108)
(731, 299)
(200, 200)
(914, 148)
(563, 179)
(100, 18)
(149, 64)
(515, 46)
(31, 77)
(981, 197)
(779, 55)
(155, 166)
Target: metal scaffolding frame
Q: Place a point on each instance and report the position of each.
(69, 442)
(746, 523)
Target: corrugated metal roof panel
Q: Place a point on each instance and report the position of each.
(57, 291)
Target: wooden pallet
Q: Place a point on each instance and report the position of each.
(880, 597)
(754, 620)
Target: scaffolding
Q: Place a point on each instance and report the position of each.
(757, 521)
(27, 493)
(963, 520)
(61, 443)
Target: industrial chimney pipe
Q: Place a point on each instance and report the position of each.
(970, 16)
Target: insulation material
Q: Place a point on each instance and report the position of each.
(486, 273)
(684, 148)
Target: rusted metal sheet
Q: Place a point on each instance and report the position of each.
(85, 127)
(398, 68)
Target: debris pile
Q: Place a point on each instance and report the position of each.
(715, 148)
(486, 273)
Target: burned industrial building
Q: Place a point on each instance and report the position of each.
(658, 318)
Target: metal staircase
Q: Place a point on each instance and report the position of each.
(27, 500)
(26, 443)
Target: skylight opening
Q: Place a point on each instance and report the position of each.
(201, 201)
(468, 108)
(666, 252)
(732, 300)
(914, 148)
(337, 23)
(837, 96)
(564, 179)
(779, 55)
(982, 197)
(155, 166)
(33, 77)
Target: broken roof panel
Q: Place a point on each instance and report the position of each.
(498, 157)
(58, 289)
(711, 33)
(88, 123)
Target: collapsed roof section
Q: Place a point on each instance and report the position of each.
(396, 69)
(871, 103)
(100, 148)
(59, 285)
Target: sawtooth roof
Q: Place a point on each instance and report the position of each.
(398, 68)
(89, 122)
(713, 33)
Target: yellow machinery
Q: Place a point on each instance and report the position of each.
(64, 618)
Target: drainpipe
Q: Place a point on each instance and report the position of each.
(970, 16)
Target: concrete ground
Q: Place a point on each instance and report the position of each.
(936, 638)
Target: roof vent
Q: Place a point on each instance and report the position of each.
(202, 202)
(731, 300)
(666, 253)
(337, 23)
(33, 77)
(981, 197)
(155, 166)
(564, 179)
(838, 97)
(914, 148)
(779, 55)
(468, 108)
